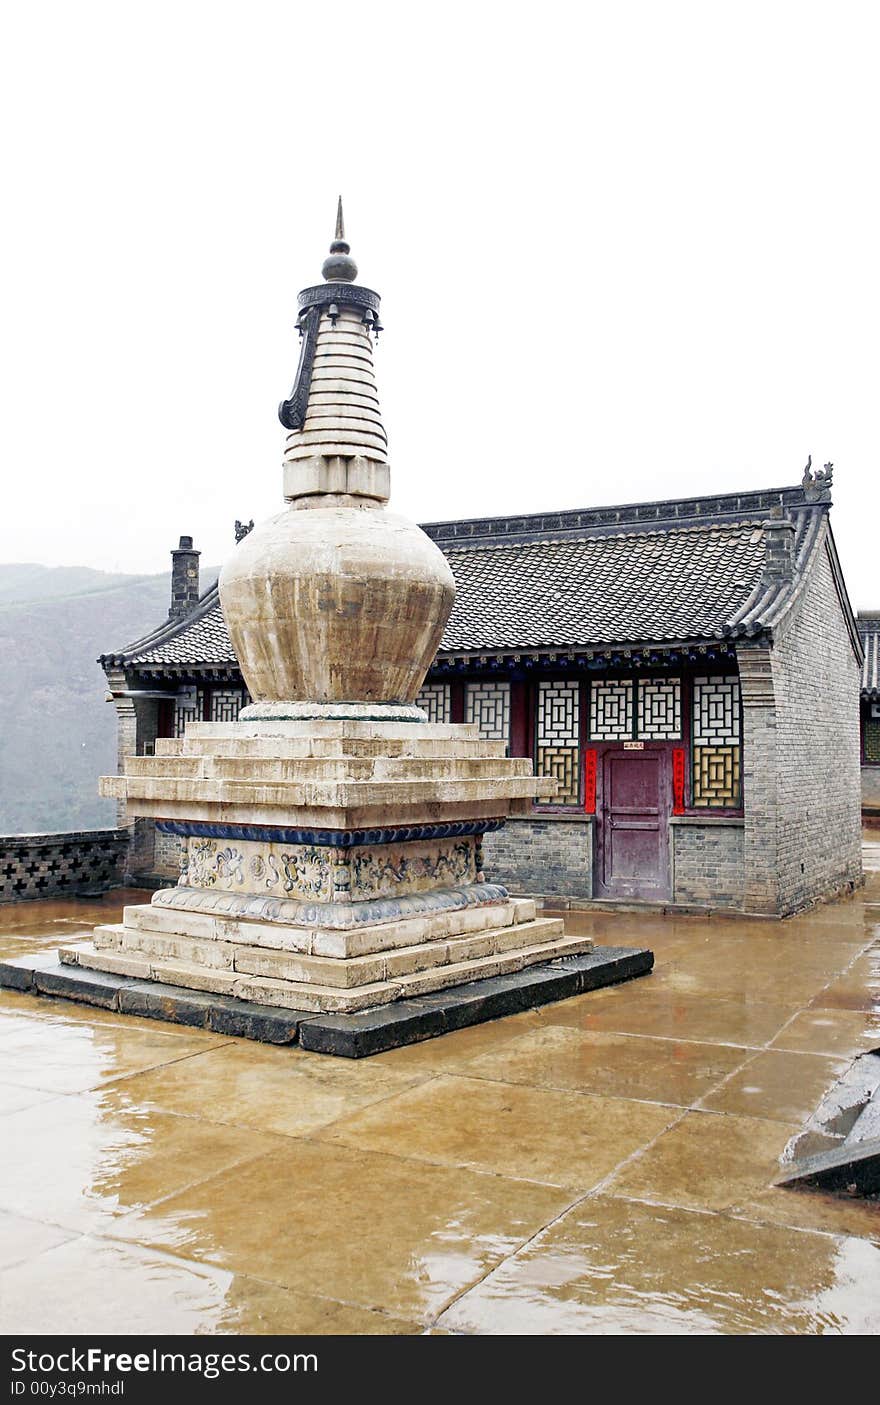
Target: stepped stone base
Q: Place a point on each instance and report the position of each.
(351, 1036)
(301, 968)
(334, 862)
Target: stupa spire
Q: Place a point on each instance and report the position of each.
(336, 441)
(338, 267)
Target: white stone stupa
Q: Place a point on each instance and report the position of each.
(333, 834)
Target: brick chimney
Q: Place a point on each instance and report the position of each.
(778, 548)
(184, 579)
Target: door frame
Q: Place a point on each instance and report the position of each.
(604, 750)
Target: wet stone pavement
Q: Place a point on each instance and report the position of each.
(603, 1165)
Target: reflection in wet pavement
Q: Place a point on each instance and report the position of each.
(601, 1166)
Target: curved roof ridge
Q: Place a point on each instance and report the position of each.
(807, 543)
(770, 600)
(169, 629)
(699, 528)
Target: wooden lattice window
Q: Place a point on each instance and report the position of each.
(436, 699)
(226, 704)
(872, 739)
(557, 728)
(659, 709)
(717, 743)
(488, 704)
(189, 706)
(611, 710)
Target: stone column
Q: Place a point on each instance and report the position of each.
(136, 720)
(126, 731)
(760, 779)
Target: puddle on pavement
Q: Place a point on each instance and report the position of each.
(212, 1185)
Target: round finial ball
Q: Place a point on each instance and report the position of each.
(339, 266)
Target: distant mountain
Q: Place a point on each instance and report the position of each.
(58, 734)
(20, 584)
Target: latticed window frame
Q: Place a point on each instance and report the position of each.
(636, 684)
(677, 684)
(627, 681)
(582, 702)
(504, 684)
(205, 708)
(181, 716)
(695, 806)
(219, 698)
(436, 698)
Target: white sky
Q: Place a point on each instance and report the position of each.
(626, 251)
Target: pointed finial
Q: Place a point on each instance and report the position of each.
(339, 267)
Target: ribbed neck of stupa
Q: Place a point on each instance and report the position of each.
(336, 447)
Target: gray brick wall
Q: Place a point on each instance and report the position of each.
(141, 846)
(542, 855)
(801, 755)
(153, 855)
(816, 682)
(169, 852)
(707, 862)
(871, 787)
(72, 863)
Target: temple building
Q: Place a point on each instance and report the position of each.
(688, 671)
(869, 631)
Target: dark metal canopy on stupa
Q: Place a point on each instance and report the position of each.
(339, 291)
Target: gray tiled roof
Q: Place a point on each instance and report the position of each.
(633, 587)
(869, 633)
(650, 574)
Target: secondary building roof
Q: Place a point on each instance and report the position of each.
(689, 571)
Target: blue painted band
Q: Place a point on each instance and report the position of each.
(326, 838)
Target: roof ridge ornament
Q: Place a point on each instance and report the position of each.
(816, 482)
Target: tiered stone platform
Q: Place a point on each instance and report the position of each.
(331, 865)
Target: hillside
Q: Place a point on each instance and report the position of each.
(21, 583)
(59, 733)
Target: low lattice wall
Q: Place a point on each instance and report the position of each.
(59, 865)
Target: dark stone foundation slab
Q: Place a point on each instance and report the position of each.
(347, 1036)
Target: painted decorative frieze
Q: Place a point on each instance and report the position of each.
(313, 873)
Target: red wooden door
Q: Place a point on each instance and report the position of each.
(633, 830)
